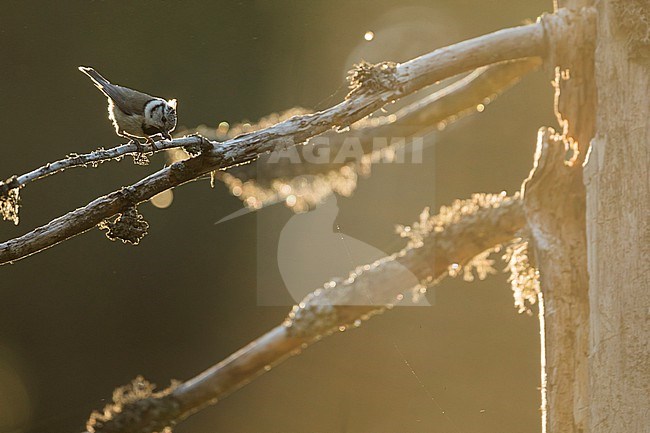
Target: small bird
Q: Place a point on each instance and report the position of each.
(135, 114)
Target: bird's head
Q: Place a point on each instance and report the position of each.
(161, 115)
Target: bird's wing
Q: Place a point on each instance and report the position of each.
(127, 100)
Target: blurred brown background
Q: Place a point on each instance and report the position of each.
(90, 314)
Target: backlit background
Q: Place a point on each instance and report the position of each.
(89, 315)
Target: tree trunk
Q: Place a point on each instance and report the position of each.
(554, 198)
(618, 232)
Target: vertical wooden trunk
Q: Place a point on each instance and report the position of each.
(555, 212)
(618, 214)
(554, 200)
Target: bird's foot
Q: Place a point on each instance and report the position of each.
(138, 145)
(151, 141)
(140, 155)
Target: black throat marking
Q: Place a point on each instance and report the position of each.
(150, 130)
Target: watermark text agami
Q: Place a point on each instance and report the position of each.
(397, 150)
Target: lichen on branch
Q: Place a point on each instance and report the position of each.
(128, 226)
(10, 200)
(366, 77)
(137, 408)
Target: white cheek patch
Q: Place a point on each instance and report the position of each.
(153, 111)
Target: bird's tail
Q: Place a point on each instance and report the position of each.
(99, 81)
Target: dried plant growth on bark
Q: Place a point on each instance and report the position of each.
(136, 408)
(128, 226)
(524, 277)
(10, 200)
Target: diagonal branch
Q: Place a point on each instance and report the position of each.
(474, 226)
(301, 181)
(433, 111)
(453, 237)
(443, 106)
(453, 99)
(372, 87)
(91, 159)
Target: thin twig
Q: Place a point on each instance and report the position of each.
(98, 156)
(373, 87)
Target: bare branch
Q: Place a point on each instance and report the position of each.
(445, 105)
(380, 84)
(94, 158)
(461, 95)
(87, 217)
(377, 87)
(485, 221)
(457, 99)
(301, 182)
(373, 86)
